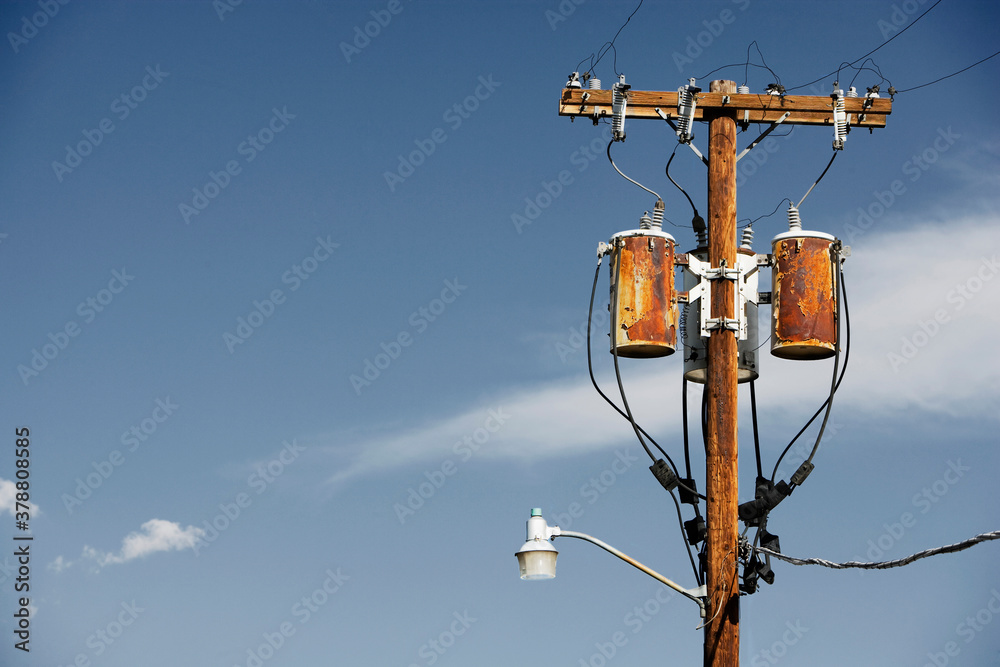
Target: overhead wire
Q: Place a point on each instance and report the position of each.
(601, 52)
(924, 85)
(884, 565)
(912, 23)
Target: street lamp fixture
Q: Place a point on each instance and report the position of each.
(536, 559)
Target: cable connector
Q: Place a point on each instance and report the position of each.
(664, 474)
(695, 530)
(689, 491)
(766, 498)
(801, 474)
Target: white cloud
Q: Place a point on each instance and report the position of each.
(899, 285)
(8, 498)
(156, 535)
(60, 565)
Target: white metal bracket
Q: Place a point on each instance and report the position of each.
(763, 134)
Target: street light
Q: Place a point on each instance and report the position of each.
(537, 557)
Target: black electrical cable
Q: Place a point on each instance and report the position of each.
(912, 23)
(687, 546)
(593, 380)
(843, 370)
(839, 271)
(628, 412)
(924, 85)
(768, 215)
(756, 436)
(683, 192)
(684, 422)
(828, 165)
(611, 45)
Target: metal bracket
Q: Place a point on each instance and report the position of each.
(715, 323)
(762, 134)
(721, 273)
(665, 117)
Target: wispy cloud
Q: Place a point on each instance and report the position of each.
(899, 285)
(8, 499)
(60, 564)
(155, 535)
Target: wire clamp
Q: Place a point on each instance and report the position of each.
(723, 323)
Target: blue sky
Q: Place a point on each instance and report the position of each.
(219, 251)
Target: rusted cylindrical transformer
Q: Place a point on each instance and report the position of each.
(803, 296)
(643, 299)
(696, 347)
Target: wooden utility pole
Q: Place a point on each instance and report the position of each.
(722, 634)
(724, 110)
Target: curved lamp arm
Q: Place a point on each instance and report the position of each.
(697, 594)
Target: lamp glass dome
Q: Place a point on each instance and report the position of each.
(537, 560)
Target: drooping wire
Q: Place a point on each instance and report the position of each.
(924, 85)
(610, 45)
(593, 380)
(683, 192)
(912, 23)
(687, 547)
(768, 215)
(626, 177)
(837, 269)
(828, 165)
(883, 565)
(843, 370)
(684, 425)
(777, 78)
(756, 435)
(628, 413)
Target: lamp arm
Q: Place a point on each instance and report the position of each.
(697, 594)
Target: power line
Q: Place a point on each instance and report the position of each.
(899, 562)
(924, 85)
(913, 23)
